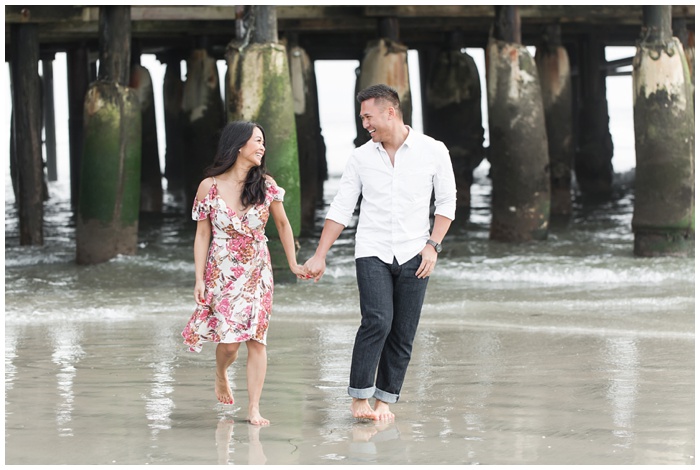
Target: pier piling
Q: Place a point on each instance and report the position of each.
(452, 114)
(555, 79)
(151, 177)
(519, 154)
(664, 209)
(111, 163)
(309, 138)
(593, 159)
(26, 115)
(259, 89)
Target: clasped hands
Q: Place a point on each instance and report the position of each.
(312, 269)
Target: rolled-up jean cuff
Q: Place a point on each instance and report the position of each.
(386, 397)
(361, 393)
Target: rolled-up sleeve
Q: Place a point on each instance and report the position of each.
(444, 184)
(345, 201)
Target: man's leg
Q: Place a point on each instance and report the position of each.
(375, 285)
(409, 293)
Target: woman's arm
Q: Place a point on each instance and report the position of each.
(201, 249)
(284, 228)
(202, 239)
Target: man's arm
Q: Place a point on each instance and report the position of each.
(429, 255)
(316, 265)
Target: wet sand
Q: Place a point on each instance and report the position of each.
(126, 392)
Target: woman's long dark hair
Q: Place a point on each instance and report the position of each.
(234, 136)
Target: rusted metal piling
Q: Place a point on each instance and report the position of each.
(452, 114)
(555, 79)
(26, 118)
(111, 163)
(519, 155)
(664, 209)
(259, 89)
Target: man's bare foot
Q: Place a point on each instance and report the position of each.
(382, 411)
(255, 418)
(360, 409)
(223, 390)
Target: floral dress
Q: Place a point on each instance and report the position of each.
(238, 273)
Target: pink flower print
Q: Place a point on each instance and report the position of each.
(237, 271)
(224, 307)
(267, 301)
(213, 323)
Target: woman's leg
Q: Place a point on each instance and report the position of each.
(226, 353)
(255, 371)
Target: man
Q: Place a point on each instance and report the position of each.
(395, 252)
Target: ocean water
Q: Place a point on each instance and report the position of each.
(572, 339)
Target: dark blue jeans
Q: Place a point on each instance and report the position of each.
(391, 299)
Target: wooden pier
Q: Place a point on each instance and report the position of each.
(532, 166)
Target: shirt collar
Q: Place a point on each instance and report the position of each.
(409, 139)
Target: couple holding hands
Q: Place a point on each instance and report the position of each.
(397, 173)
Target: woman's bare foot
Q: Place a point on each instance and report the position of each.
(223, 390)
(360, 409)
(255, 418)
(382, 411)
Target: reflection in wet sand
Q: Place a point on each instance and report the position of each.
(159, 405)
(622, 356)
(68, 351)
(226, 444)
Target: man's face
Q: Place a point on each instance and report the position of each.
(375, 119)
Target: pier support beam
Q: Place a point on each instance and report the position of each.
(452, 114)
(519, 155)
(664, 127)
(173, 89)
(111, 164)
(593, 161)
(78, 71)
(49, 117)
(151, 177)
(309, 138)
(385, 61)
(203, 118)
(259, 89)
(26, 115)
(555, 79)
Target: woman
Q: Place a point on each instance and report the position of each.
(233, 274)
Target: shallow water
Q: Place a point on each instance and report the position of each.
(568, 351)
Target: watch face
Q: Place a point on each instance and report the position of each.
(438, 248)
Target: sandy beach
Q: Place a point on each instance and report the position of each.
(128, 393)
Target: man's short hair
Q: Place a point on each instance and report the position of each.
(381, 92)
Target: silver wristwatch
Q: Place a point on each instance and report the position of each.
(436, 245)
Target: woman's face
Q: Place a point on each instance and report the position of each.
(254, 150)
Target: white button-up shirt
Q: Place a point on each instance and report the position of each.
(395, 210)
